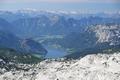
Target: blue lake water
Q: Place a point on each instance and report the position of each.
(55, 53)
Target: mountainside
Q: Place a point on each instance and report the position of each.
(89, 43)
(90, 67)
(109, 33)
(44, 25)
(8, 40)
(93, 40)
(54, 22)
(13, 56)
(87, 33)
(5, 25)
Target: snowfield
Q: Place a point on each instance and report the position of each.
(90, 67)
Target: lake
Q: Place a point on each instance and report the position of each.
(55, 53)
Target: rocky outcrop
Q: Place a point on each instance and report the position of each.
(90, 67)
(95, 37)
(110, 34)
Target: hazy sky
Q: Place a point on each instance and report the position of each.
(95, 5)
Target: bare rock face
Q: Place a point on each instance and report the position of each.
(90, 67)
(110, 34)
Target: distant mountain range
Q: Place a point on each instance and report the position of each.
(32, 23)
(81, 31)
(57, 25)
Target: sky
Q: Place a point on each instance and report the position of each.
(70, 5)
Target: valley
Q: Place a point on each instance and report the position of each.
(50, 43)
(45, 45)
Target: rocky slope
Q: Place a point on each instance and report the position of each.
(108, 33)
(98, 36)
(90, 67)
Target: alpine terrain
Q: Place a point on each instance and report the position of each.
(59, 45)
